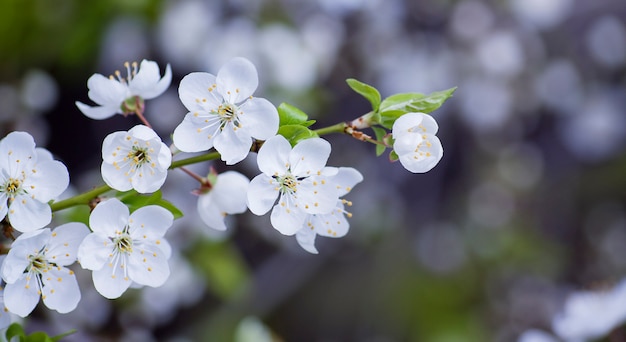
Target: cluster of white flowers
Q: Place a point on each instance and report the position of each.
(124, 249)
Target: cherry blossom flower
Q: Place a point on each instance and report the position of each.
(298, 177)
(35, 267)
(126, 248)
(415, 142)
(136, 159)
(118, 95)
(227, 196)
(5, 316)
(29, 179)
(589, 315)
(222, 112)
(333, 224)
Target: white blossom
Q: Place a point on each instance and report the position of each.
(114, 95)
(35, 267)
(136, 159)
(298, 177)
(222, 112)
(125, 248)
(29, 179)
(415, 143)
(333, 224)
(226, 197)
(5, 315)
(589, 315)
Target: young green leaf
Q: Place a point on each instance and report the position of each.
(296, 133)
(397, 105)
(15, 330)
(135, 201)
(380, 134)
(367, 91)
(291, 115)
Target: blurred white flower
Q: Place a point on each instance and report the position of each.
(126, 248)
(606, 41)
(298, 177)
(588, 315)
(223, 114)
(136, 159)
(122, 95)
(415, 142)
(227, 196)
(35, 267)
(534, 335)
(29, 179)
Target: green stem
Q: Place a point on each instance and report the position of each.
(83, 198)
(337, 128)
(193, 160)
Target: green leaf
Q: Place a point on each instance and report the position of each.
(393, 156)
(38, 337)
(65, 334)
(397, 105)
(380, 134)
(367, 91)
(135, 201)
(15, 330)
(296, 133)
(291, 115)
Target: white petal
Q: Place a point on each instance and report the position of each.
(16, 149)
(143, 132)
(309, 156)
(237, 80)
(94, 251)
(416, 154)
(331, 225)
(147, 179)
(274, 155)
(164, 155)
(230, 191)
(110, 282)
(47, 180)
(116, 178)
(189, 137)
(210, 213)
(64, 242)
(152, 221)
(17, 260)
(148, 265)
(317, 195)
(260, 117)
(287, 219)
(98, 112)
(148, 83)
(109, 217)
(60, 290)
(4, 206)
(22, 296)
(306, 239)
(345, 179)
(262, 193)
(114, 146)
(194, 91)
(27, 214)
(232, 145)
(414, 123)
(105, 91)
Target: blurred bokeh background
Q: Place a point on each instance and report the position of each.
(527, 204)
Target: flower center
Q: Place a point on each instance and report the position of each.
(227, 113)
(38, 264)
(138, 155)
(288, 184)
(124, 244)
(12, 187)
